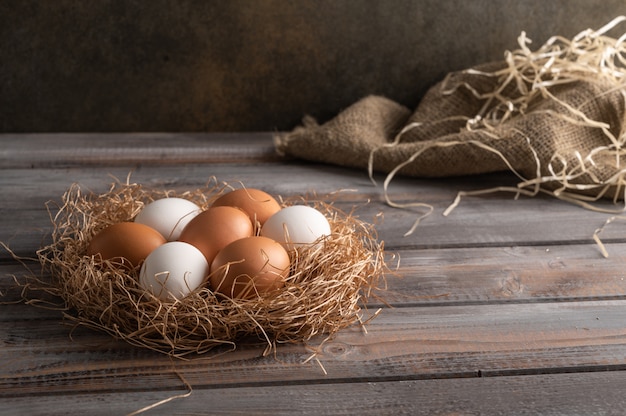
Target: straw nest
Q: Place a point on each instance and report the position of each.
(325, 291)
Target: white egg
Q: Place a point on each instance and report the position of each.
(168, 216)
(296, 225)
(173, 270)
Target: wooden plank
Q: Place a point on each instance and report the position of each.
(493, 221)
(588, 394)
(33, 187)
(507, 274)
(126, 152)
(473, 275)
(400, 344)
(134, 149)
(116, 149)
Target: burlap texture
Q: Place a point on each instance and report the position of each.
(545, 139)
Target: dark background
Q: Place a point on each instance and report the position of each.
(248, 65)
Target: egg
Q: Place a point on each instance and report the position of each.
(259, 205)
(249, 267)
(296, 225)
(215, 228)
(173, 270)
(127, 241)
(169, 216)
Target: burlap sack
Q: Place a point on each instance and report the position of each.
(563, 137)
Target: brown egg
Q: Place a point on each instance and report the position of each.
(125, 240)
(257, 204)
(215, 228)
(249, 266)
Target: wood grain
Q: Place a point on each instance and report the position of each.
(564, 394)
(506, 306)
(497, 220)
(408, 343)
(134, 149)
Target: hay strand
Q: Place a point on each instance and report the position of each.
(526, 80)
(327, 286)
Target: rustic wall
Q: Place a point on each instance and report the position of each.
(193, 65)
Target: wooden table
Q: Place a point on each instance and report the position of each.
(506, 306)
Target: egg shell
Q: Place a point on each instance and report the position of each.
(173, 270)
(296, 225)
(125, 240)
(259, 205)
(249, 267)
(215, 228)
(169, 216)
